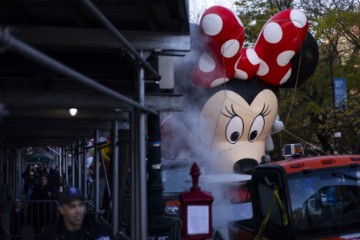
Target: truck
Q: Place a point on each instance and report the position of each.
(303, 198)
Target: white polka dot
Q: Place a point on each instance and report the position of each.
(284, 57)
(212, 24)
(241, 74)
(206, 63)
(273, 32)
(219, 81)
(263, 69)
(298, 18)
(252, 56)
(286, 77)
(230, 48)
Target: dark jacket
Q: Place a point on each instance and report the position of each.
(42, 193)
(30, 180)
(54, 179)
(5, 198)
(90, 230)
(17, 221)
(43, 208)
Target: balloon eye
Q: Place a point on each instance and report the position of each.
(234, 136)
(253, 135)
(234, 129)
(256, 128)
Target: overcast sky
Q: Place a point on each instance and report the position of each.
(198, 7)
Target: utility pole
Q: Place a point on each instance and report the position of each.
(333, 98)
(334, 132)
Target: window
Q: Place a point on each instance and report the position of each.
(325, 200)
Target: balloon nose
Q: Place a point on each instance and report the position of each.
(245, 165)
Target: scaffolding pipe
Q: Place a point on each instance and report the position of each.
(140, 163)
(108, 25)
(97, 177)
(61, 167)
(115, 179)
(29, 52)
(86, 170)
(18, 174)
(80, 165)
(133, 180)
(67, 168)
(73, 164)
(53, 150)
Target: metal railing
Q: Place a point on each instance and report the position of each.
(176, 228)
(28, 220)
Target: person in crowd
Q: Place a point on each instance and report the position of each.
(30, 177)
(54, 178)
(44, 171)
(17, 219)
(42, 209)
(5, 207)
(73, 222)
(38, 169)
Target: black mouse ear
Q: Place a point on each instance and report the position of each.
(303, 63)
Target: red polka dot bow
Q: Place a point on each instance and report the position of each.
(225, 58)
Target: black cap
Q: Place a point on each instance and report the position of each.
(70, 194)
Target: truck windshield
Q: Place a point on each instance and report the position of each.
(325, 202)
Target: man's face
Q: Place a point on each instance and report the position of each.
(43, 181)
(73, 213)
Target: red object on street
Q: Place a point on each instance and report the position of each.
(196, 209)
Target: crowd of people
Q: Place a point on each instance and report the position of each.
(40, 193)
(46, 202)
(33, 174)
(42, 208)
(37, 193)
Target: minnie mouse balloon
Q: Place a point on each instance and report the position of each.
(236, 88)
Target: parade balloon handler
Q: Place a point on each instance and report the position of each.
(73, 222)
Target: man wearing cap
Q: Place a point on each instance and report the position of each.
(73, 224)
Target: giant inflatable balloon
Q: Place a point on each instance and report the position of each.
(235, 89)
